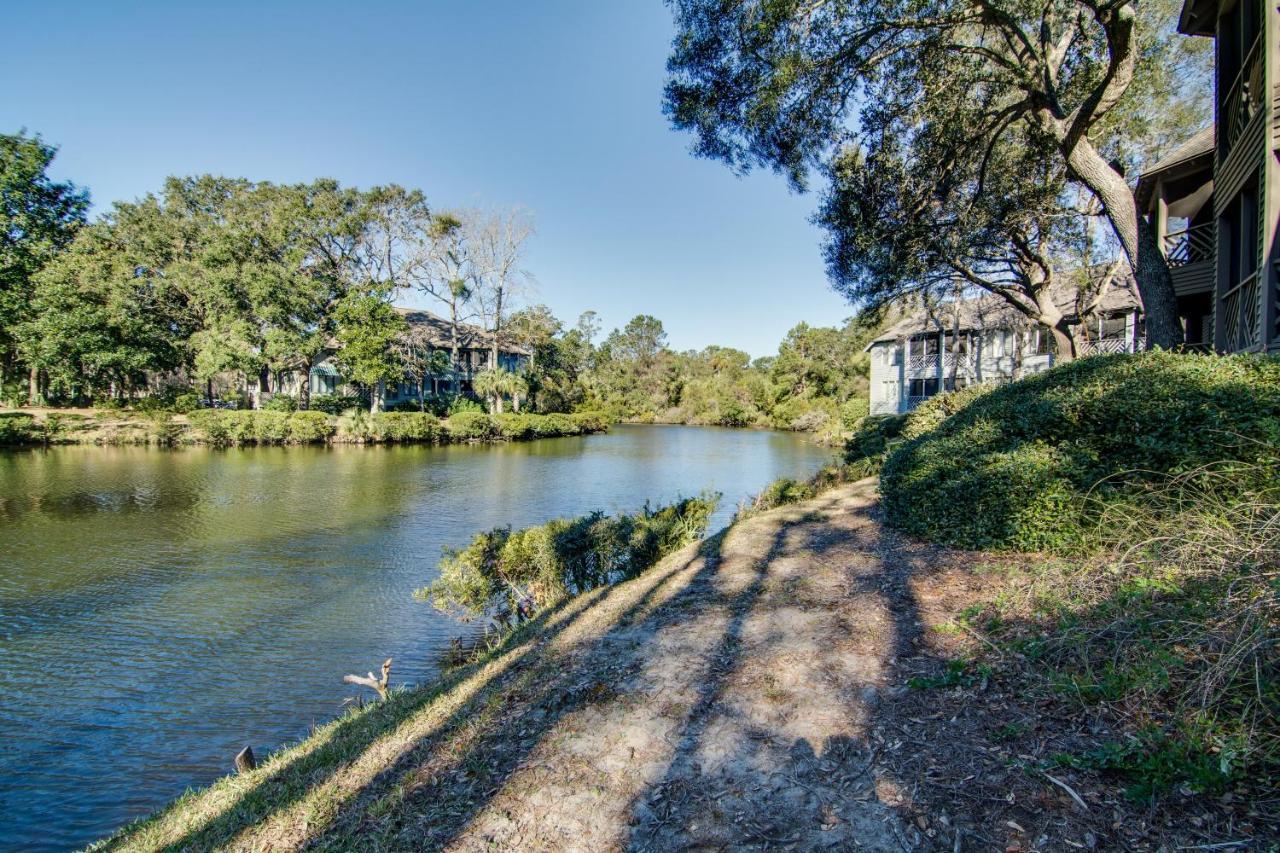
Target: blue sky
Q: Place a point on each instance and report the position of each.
(555, 106)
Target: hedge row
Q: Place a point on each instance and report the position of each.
(267, 427)
(1030, 465)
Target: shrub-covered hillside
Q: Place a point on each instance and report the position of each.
(1026, 465)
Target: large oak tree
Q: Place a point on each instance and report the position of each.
(793, 84)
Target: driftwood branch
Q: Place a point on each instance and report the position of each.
(372, 681)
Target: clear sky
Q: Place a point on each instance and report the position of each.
(555, 106)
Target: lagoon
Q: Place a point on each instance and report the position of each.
(161, 609)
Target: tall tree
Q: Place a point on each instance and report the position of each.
(368, 330)
(38, 218)
(789, 84)
(913, 219)
(498, 243)
(447, 272)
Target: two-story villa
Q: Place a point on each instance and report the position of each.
(984, 339)
(1215, 201)
(430, 332)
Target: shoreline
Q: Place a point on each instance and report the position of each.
(21, 429)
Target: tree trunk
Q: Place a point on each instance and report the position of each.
(33, 387)
(208, 391)
(1065, 341)
(375, 397)
(1150, 270)
(304, 389)
(497, 403)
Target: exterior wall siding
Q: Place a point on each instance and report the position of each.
(1193, 278)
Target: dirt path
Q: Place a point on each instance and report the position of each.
(732, 703)
(745, 694)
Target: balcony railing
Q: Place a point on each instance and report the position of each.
(923, 362)
(1240, 315)
(1109, 345)
(1244, 98)
(1190, 245)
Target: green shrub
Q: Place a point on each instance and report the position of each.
(407, 426)
(334, 404)
(164, 429)
(210, 425)
(460, 404)
(516, 427)
(553, 425)
(270, 427)
(854, 410)
(871, 440)
(471, 426)
(153, 403)
(1031, 464)
(310, 427)
(281, 403)
(19, 428)
(184, 403)
(591, 421)
(61, 426)
(509, 576)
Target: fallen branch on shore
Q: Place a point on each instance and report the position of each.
(372, 681)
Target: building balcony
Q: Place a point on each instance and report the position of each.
(1110, 345)
(1241, 324)
(1244, 99)
(1189, 246)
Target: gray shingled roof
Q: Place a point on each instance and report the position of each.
(990, 311)
(1197, 146)
(438, 332)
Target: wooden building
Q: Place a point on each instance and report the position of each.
(1215, 202)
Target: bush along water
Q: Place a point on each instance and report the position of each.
(279, 425)
(506, 576)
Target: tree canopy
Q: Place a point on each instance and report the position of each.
(933, 89)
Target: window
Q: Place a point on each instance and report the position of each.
(1044, 341)
(924, 387)
(1115, 326)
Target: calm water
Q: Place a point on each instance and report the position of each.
(161, 609)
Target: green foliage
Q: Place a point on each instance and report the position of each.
(367, 331)
(239, 427)
(184, 403)
(407, 427)
(18, 428)
(509, 575)
(38, 218)
(1171, 624)
(281, 403)
(471, 426)
(591, 421)
(335, 404)
(1028, 465)
(460, 404)
(516, 427)
(932, 412)
(871, 441)
(310, 427)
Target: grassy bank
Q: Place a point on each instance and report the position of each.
(240, 428)
(1150, 486)
(537, 583)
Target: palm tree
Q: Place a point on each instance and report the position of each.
(490, 384)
